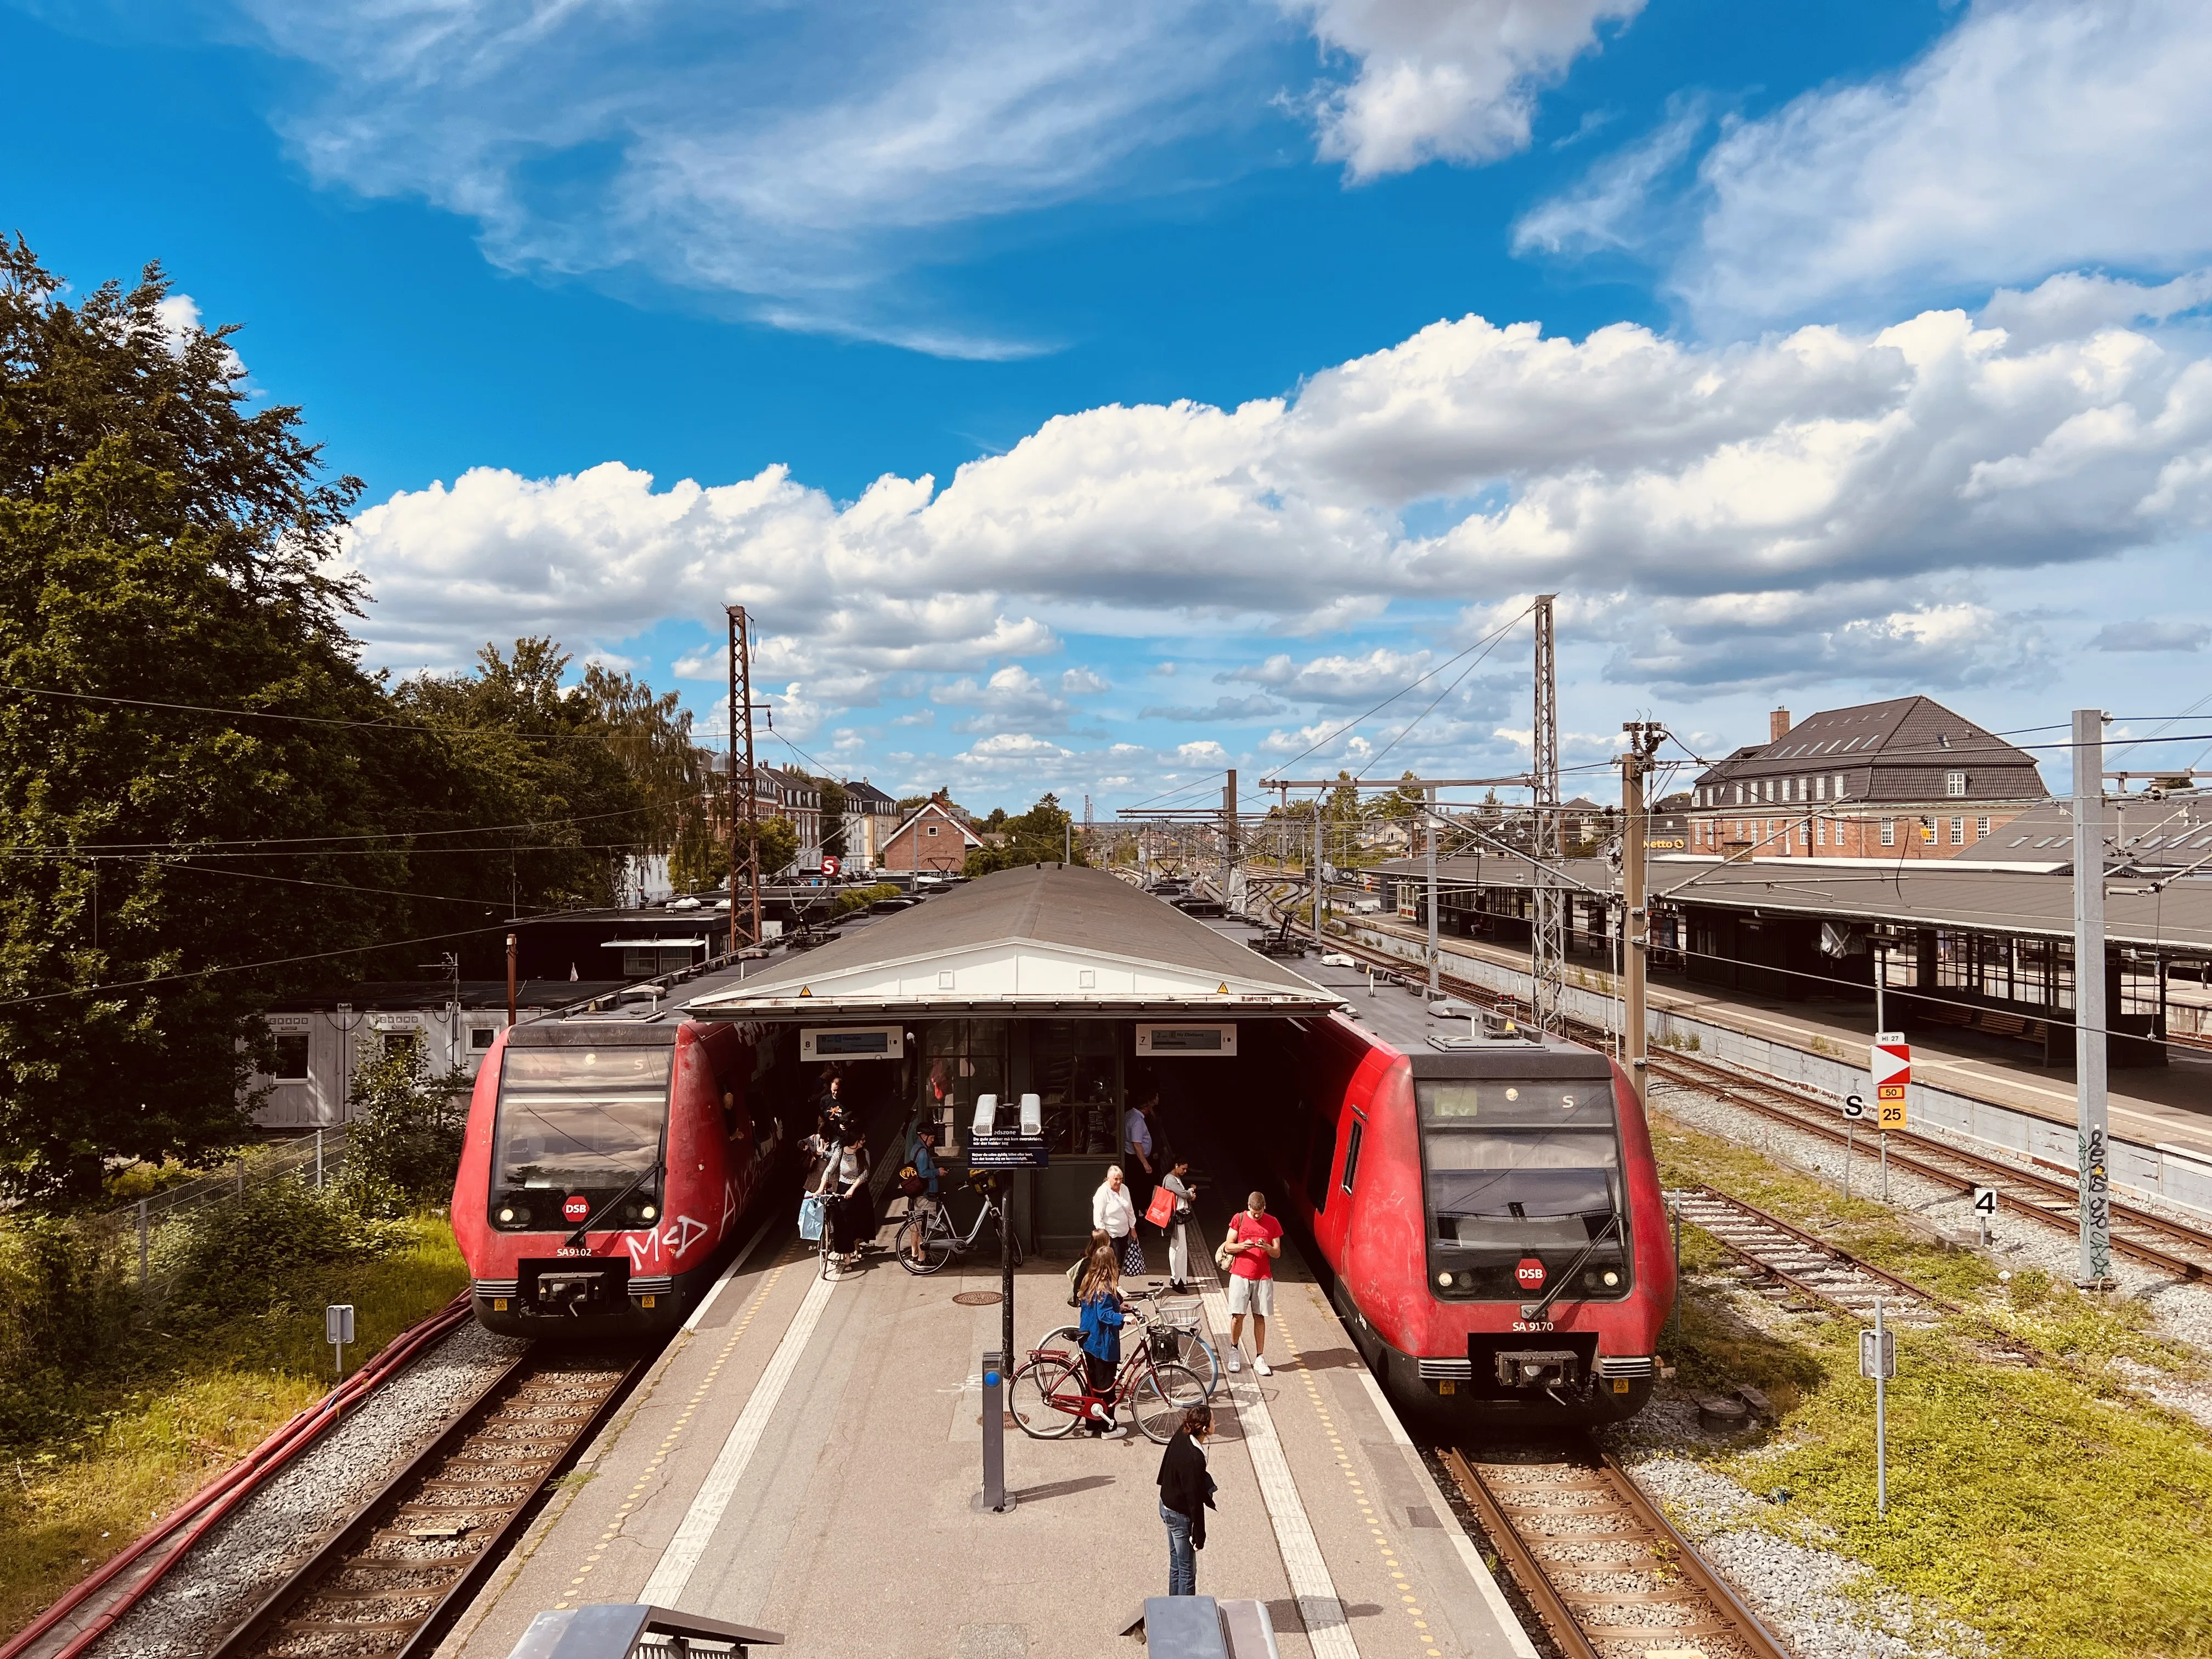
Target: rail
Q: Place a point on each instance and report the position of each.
(155, 1553)
(1600, 1512)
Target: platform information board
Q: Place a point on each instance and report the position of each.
(1891, 1063)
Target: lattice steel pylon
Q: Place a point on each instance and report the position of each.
(1547, 940)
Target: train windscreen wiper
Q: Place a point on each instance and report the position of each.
(1535, 1309)
(576, 1240)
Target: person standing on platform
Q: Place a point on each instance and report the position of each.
(1177, 1181)
(1101, 1344)
(1186, 1494)
(852, 1218)
(1115, 1213)
(1137, 1132)
(1255, 1239)
(833, 1115)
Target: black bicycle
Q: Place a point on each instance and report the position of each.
(927, 1241)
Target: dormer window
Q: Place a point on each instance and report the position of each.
(1954, 783)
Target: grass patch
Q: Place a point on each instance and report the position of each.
(179, 1398)
(2041, 1507)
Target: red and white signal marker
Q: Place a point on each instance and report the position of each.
(1891, 1062)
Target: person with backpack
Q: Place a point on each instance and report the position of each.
(1186, 1494)
(1101, 1344)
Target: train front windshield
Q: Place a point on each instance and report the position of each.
(576, 1122)
(1515, 1170)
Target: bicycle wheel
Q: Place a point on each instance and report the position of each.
(1163, 1393)
(1064, 1336)
(1195, 1351)
(924, 1246)
(1046, 1397)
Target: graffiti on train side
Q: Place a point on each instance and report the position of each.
(681, 1233)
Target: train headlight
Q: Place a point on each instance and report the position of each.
(649, 1212)
(1445, 1279)
(506, 1215)
(1612, 1278)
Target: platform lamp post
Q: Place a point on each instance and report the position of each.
(1645, 737)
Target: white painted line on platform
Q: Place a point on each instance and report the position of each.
(1319, 1607)
(682, 1557)
(730, 1273)
(1494, 1598)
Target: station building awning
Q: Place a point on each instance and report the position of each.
(1047, 940)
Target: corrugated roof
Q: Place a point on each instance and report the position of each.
(1926, 893)
(1078, 911)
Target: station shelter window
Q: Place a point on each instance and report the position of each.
(1075, 1067)
(291, 1057)
(964, 1058)
(400, 1042)
(480, 1037)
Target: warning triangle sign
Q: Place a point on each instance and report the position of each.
(1223, 989)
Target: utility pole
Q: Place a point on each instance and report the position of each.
(510, 979)
(741, 715)
(1229, 848)
(2089, 1009)
(1429, 857)
(1644, 739)
(1316, 872)
(1547, 951)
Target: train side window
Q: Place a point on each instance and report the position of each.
(1319, 1163)
(1352, 1155)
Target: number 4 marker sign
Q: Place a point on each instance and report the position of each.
(1891, 1062)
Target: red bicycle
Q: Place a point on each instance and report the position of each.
(1047, 1395)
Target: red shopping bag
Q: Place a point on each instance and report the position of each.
(1161, 1210)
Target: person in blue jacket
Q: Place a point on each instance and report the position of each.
(1101, 1300)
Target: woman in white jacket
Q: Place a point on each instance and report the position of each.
(1114, 1212)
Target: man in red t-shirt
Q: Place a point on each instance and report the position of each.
(1257, 1238)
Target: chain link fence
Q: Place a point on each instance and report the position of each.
(138, 1232)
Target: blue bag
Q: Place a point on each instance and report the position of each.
(810, 1218)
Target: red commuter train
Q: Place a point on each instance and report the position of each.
(606, 1166)
(1489, 1214)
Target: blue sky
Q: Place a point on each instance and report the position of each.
(1870, 356)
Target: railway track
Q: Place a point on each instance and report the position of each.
(1604, 1569)
(383, 1584)
(2172, 1247)
(1811, 1267)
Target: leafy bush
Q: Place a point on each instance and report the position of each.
(64, 1306)
(859, 898)
(405, 1142)
(243, 1256)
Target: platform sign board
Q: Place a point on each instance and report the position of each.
(1208, 1041)
(1891, 1063)
(824, 1043)
(831, 863)
(1009, 1152)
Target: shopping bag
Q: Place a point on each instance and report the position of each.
(1161, 1210)
(810, 1218)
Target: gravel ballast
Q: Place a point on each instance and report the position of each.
(280, 1524)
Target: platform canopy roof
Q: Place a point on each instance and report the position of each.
(1042, 939)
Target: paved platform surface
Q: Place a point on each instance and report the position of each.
(2169, 1106)
(804, 1460)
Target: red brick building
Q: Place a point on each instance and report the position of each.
(933, 837)
(1905, 779)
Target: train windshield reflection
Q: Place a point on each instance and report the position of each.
(1520, 1169)
(580, 1120)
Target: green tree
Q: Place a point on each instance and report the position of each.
(1039, 835)
(162, 541)
(404, 1143)
(835, 804)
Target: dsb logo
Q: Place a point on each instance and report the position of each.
(1529, 1273)
(575, 1206)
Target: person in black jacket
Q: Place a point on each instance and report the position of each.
(1186, 1494)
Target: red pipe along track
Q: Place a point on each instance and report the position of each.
(205, 1509)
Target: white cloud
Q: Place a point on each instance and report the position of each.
(798, 155)
(1612, 205)
(1443, 80)
(1205, 752)
(1797, 485)
(2036, 136)
(1011, 697)
(1079, 682)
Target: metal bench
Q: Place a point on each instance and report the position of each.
(1201, 1627)
(616, 1630)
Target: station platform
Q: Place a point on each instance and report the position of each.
(805, 1457)
(2167, 1107)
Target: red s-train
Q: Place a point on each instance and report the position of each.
(1489, 1214)
(606, 1164)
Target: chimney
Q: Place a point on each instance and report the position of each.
(1777, 725)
